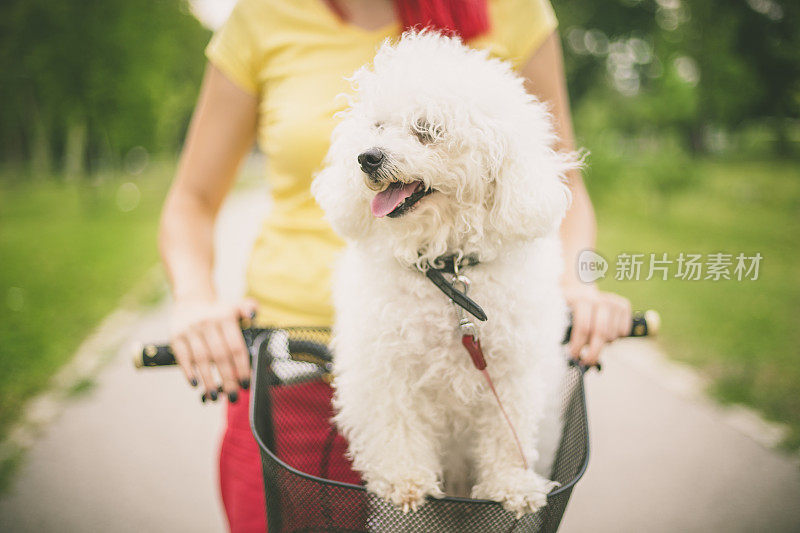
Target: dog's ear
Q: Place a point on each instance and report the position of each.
(529, 195)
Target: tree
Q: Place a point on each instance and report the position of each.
(86, 81)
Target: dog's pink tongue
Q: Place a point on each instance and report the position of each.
(387, 201)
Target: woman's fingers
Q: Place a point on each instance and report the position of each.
(599, 334)
(202, 361)
(223, 360)
(184, 357)
(626, 316)
(598, 318)
(247, 308)
(615, 315)
(581, 327)
(209, 346)
(232, 336)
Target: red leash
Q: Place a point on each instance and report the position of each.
(469, 336)
(475, 351)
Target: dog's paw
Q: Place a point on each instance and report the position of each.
(520, 491)
(408, 493)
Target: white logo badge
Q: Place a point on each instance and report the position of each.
(591, 266)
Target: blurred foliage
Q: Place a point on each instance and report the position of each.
(81, 83)
(696, 70)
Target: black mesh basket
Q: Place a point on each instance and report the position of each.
(309, 484)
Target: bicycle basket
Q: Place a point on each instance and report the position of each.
(309, 484)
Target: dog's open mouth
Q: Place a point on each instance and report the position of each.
(398, 198)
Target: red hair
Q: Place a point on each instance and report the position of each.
(466, 18)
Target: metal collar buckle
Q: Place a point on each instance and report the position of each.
(461, 283)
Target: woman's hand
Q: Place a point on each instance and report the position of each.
(206, 335)
(597, 319)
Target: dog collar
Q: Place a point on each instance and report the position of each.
(451, 264)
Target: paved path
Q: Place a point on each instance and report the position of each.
(138, 453)
(662, 462)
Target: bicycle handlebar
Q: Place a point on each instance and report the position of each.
(644, 324)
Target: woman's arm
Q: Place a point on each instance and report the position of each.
(598, 317)
(204, 331)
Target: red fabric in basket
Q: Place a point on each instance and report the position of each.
(302, 417)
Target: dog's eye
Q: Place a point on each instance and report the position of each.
(378, 125)
(425, 132)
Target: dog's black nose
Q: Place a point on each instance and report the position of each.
(370, 160)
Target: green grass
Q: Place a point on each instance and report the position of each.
(83, 387)
(743, 334)
(9, 466)
(69, 252)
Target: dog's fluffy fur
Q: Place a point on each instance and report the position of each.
(419, 418)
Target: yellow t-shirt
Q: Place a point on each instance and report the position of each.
(294, 55)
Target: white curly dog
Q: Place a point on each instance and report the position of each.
(443, 156)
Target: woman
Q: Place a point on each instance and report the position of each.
(274, 71)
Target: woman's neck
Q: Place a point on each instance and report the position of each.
(366, 14)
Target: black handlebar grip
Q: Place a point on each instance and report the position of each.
(153, 355)
(644, 324)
